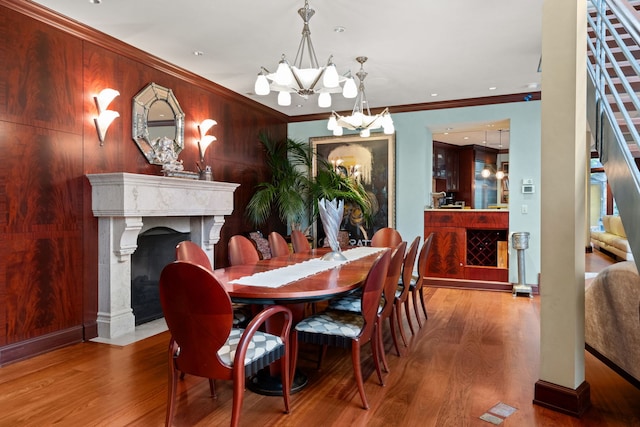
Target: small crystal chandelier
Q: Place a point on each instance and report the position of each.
(305, 81)
(361, 118)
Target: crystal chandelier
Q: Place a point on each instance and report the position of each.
(305, 81)
(361, 119)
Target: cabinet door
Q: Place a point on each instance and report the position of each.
(439, 161)
(447, 255)
(452, 169)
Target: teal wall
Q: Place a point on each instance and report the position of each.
(414, 167)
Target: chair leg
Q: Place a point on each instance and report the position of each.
(212, 388)
(375, 350)
(380, 344)
(392, 322)
(286, 378)
(171, 397)
(414, 297)
(238, 395)
(357, 370)
(293, 361)
(424, 307)
(398, 313)
(322, 354)
(407, 312)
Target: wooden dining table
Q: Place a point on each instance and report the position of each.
(334, 282)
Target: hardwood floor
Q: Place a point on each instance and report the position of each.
(478, 348)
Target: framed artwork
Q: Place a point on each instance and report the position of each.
(505, 167)
(371, 160)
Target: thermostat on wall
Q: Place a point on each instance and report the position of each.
(528, 188)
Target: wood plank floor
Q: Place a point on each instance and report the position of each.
(478, 348)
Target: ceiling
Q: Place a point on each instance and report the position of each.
(457, 49)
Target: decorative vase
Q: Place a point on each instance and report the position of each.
(331, 216)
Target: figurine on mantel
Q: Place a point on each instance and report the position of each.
(166, 154)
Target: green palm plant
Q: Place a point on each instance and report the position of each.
(287, 191)
(292, 192)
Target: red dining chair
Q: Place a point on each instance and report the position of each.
(203, 342)
(389, 293)
(417, 284)
(242, 251)
(386, 237)
(402, 291)
(278, 245)
(300, 242)
(352, 302)
(347, 329)
(189, 251)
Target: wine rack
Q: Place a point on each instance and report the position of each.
(482, 246)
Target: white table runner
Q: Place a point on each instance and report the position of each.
(291, 273)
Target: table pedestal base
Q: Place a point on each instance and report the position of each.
(265, 384)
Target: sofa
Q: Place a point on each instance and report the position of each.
(613, 239)
(612, 319)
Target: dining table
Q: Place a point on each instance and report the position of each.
(294, 280)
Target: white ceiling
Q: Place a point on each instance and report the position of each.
(456, 49)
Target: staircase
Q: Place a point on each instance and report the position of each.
(613, 105)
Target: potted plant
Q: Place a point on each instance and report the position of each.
(293, 192)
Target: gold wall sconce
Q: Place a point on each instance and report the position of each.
(105, 116)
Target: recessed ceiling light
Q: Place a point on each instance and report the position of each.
(492, 88)
(198, 53)
(434, 94)
(532, 86)
(466, 137)
(339, 29)
(95, 1)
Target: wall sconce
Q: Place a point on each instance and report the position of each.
(205, 140)
(105, 117)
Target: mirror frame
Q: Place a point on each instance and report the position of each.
(142, 103)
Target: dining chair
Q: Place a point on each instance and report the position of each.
(190, 251)
(386, 237)
(352, 302)
(417, 283)
(203, 342)
(389, 293)
(403, 288)
(278, 244)
(347, 329)
(242, 251)
(300, 242)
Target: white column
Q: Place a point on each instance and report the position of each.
(563, 204)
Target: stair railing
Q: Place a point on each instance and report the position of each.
(617, 104)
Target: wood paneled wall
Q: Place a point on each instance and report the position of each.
(50, 70)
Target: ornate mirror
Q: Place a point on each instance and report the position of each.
(158, 124)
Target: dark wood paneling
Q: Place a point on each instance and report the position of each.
(40, 76)
(51, 69)
(41, 272)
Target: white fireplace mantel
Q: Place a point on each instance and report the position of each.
(127, 204)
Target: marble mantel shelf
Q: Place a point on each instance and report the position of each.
(128, 194)
(127, 204)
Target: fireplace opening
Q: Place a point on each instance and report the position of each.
(156, 249)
